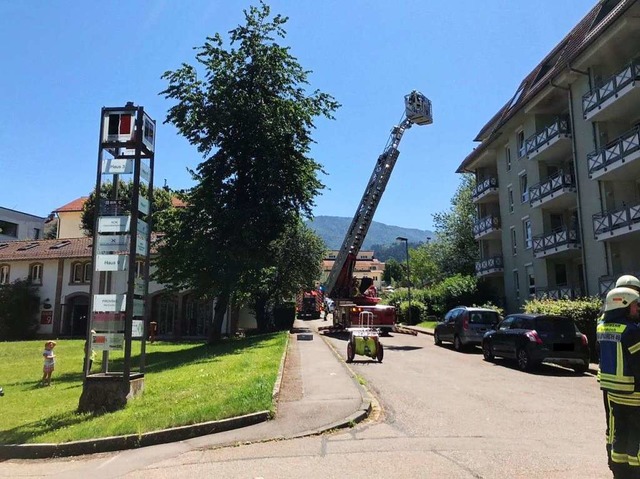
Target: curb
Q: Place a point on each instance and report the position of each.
(133, 441)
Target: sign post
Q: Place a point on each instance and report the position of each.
(121, 248)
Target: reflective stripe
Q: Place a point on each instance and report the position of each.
(635, 348)
(616, 387)
(614, 378)
(633, 461)
(619, 361)
(611, 328)
(625, 399)
(619, 457)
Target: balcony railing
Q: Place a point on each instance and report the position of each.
(618, 150)
(486, 224)
(607, 283)
(558, 129)
(562, 236)
(611, 87)
(483, 187)
(489, 265)
(619, 221)
(551, 185)
(559, 292)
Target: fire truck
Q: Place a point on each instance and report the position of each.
(309, 304)
(350, 298)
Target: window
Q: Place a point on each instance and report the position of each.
(4, 273)
(531, 280)
(77, 273)
(514, 242)
(88, 270)
(506, 324)
(516, 284)
(36, 233)
(510, 200)
(561, 274)
(507, 155)
(35, 273)
(524, 191)
(520, 143)
(8, 229)
(526, 229)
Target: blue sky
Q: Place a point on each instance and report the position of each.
(64, 60)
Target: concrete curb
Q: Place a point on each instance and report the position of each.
(132, 441)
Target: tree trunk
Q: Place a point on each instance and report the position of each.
(215, 333)
(260, 307)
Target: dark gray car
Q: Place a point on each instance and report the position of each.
(465, 326)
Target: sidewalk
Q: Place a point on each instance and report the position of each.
(316, 392)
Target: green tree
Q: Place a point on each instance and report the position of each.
(393, 271)
(19, 306)
(250, 117)
(296, 264)
(424, 269)
(454, 249)
(162, 201)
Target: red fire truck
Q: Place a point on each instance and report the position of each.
(350, 298)
(309, 304)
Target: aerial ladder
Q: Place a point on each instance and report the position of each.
(340, 283)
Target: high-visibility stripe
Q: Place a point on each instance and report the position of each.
(619, 457)
(633, 461)
(616, 387)
(635, 348)
(626, 401)
(616, 378)
(619, 360)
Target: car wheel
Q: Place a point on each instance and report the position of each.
(524, 361)
(457, 344)
(350, 351)
(581, 369)
(380, 352)
(487, 352)
(436, 339)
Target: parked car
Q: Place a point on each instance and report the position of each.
(465, 326)
(533, 338)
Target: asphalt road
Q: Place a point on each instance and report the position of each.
(443, 415)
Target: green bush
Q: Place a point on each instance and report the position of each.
(19, 306)
(584, 312)
(417, 312)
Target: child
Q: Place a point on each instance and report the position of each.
(49, 362)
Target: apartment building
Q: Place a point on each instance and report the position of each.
(558, 167)
(16, 225)
(367, 266)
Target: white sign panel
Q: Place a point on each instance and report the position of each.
(137, 328)
(141, 245)
(114, 224)
(109, 302)
(143, 205)
(112, 243)
(138, 287)
(148, 132)
(117, 166)
(143, 228)
(138, 307)
(145, 172)
(108, 341)
(108, 322)
(111, 262)
(118, 126)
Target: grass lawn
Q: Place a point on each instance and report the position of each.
(427, 324)
(185, 383)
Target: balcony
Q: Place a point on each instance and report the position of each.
(557, 191)
(561, 242)
(559, 292)
(489, 267)
(485, 191)
(616, 160)
(607, 283)
(612, 224)
(487, 228)
(553, 141)
(606, 102)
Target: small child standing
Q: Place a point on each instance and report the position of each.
(49, 362)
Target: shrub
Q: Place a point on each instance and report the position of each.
(584, 312)
(417, 312)
(19, 306)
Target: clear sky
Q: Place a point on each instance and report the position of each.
(62, 61)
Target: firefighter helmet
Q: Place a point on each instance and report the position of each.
(628, 281)
(619, 298)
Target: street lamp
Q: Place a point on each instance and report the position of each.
(406, 246)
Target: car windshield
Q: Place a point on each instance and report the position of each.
(483, 317)
(555, 324)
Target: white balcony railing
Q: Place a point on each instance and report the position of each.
(559, 128)
(562, 236)
(551, 185)
(489, 265)
(596, 97)
(484, 186)
(485, 225)
(559, 292)
(616, 151)
(617, 221)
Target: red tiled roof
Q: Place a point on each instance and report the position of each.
(45, 249)
(177, 202)
(75, 205)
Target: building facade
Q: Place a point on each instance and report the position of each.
(558, 167)
(15, 225)
(367, 266)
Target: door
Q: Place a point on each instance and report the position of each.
(499, 338)
(448, 325)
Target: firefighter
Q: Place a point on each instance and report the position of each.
(619, 375)
(628, 281)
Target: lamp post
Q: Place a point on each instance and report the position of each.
(406, 246)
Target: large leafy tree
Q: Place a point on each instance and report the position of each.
(296, 264)
(248, 113)
(19, 306)
(454, 250)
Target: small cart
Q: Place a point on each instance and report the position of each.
(364, 340)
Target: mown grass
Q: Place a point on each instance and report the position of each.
(427, 324)
(185, 383)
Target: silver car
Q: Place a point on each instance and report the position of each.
(465, 326)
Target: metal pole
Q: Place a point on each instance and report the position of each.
(406, 245)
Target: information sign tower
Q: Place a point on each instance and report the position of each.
(121, 248)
